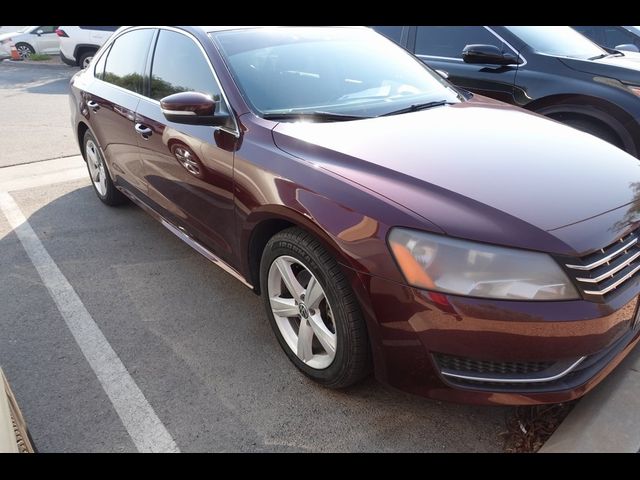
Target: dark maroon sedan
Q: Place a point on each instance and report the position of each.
(461, 248)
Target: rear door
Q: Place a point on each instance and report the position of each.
(98, 34)
(441, 48)
(112, 100)
(188, 168)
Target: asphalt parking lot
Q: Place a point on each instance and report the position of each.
(195, 342)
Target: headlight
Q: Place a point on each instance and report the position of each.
(448, 265)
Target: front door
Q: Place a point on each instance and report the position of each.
(188, 168)
(47, 41)
(441, 48)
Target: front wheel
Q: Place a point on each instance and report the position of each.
(24, 50)
(313, 310)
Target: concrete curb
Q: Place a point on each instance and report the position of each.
(606, 420)
(23, 64)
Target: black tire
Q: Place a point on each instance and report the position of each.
(24, 49)
(83, 58)
(593, 128)
(112, 197)
(352, 361)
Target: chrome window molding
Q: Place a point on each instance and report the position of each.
(235, 131)
(515, 52)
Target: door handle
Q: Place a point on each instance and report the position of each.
(95, 106)
(143, 130)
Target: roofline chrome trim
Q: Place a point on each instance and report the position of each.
(451, 374)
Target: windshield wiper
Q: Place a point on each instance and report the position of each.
(417, 107)
(598, 57)
(315, 115)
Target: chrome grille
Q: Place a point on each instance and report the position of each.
(607, 270)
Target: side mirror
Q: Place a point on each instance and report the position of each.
(192, 108)
(39, 32)
(628, 47)
(488, 54)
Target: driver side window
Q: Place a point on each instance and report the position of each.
(45, 30)
(448, 42)
(180, 66)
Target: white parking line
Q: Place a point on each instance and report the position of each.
(145, 428)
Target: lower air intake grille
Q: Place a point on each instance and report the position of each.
(468, 365)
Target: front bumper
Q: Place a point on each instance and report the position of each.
(494, 352)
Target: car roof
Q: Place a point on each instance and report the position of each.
(210, 29)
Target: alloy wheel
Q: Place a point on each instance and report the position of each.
(97, 169)
(302, 312)
(23, 51)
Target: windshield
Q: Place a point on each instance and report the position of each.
(338, 71)
(635, 30)
(559, 41)
(26, 29)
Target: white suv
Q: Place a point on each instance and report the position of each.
(78, 44)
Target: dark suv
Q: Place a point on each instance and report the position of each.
(553, 71)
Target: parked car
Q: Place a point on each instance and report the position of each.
(14, 434)
(462, 248)
(78, 44)
(30, 40)
(616, 38)
(553, 71)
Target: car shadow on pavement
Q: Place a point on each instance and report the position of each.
(197, 343)
(54, 87)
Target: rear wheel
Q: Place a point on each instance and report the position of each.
(99, 173)
(85, 59)
(24, 50)
(313, 310)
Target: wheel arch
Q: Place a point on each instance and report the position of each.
(597, 110)
(83, 48)
(268, 221)
(81, 131)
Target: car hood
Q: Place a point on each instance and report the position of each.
(486, 158)
(625, 69)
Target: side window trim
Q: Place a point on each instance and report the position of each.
(490, 30)
(107, 47)
(146, 79)
(148, 66)
(236, 130)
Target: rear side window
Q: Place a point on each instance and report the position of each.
(126, 60)
(450, 41)
(179, 65)
(392, 33)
